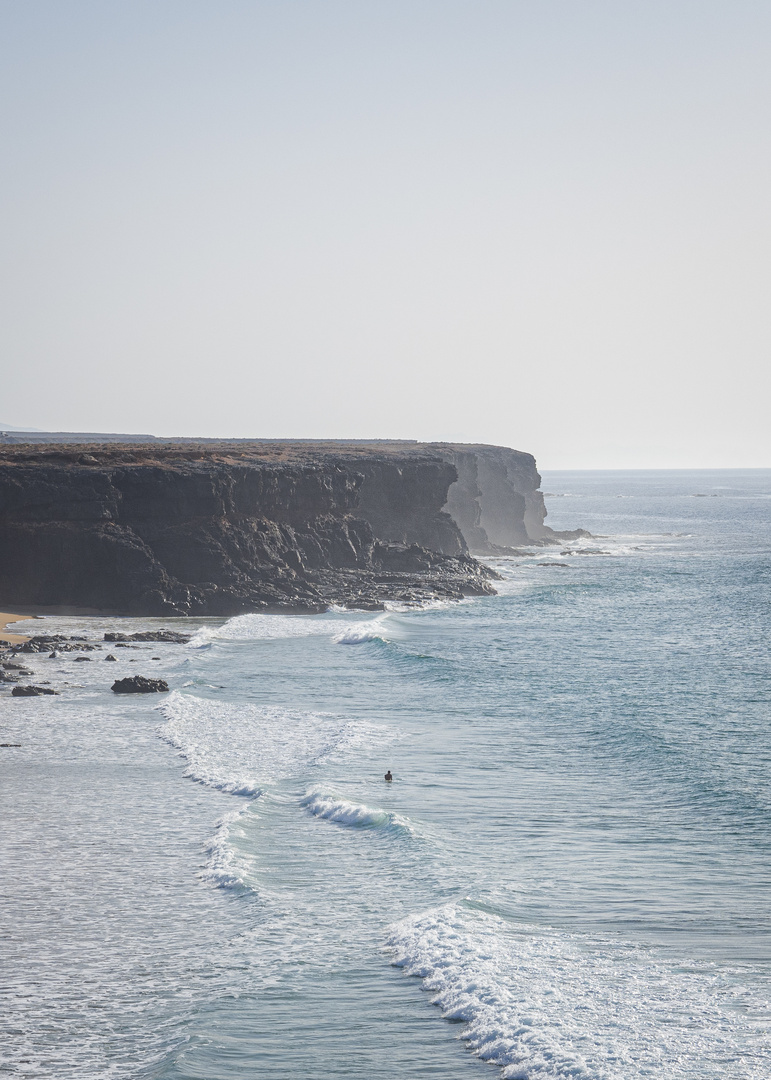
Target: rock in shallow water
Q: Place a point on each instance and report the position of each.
(138, 684)
(57, 643)
(171, 636)
(31, 691)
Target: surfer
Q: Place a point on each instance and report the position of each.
(388, 777)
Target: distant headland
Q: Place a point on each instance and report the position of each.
(137, 525)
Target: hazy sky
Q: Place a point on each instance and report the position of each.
(543, 223)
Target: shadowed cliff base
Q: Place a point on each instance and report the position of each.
(220, 528)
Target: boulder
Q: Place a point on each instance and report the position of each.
(138, 684)
(31, 691)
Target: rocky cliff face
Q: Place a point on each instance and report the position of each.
(403, 498)
(491, 502)
(173, 530)
(496, 499)
(220, 528)
(454, 498)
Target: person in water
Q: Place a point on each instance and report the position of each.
(388, 776)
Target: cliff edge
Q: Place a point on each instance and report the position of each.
(217, 528)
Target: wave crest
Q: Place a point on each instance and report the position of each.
(266, 627)
(342, 812)
(357, 635)
(223, 867)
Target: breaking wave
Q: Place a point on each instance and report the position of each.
(266, 627)
(362, 632)
(341, 812)
(223, 867)
(546, 1006)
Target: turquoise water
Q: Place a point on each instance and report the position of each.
(568, 877)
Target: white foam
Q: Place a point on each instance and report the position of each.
(223, 866)
(558, 1005)
(516, 570)
(203, 638)
(332, 808)
(241, 747)
(267, 627)
(408, 606)
(358, 633)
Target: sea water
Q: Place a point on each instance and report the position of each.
(568, 877)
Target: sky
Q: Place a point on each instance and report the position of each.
(538, 223)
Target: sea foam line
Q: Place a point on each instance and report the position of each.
(241, 747)
(551, 1006)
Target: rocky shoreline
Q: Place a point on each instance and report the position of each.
(225, 528)
(58, 646)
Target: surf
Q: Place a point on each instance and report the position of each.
(546, 1006)
(332, 808)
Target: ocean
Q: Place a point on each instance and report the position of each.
(569, 876)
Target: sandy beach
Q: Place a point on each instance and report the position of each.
(6, 618)
(30, 611)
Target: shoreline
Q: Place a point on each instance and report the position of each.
(6, 618)
(25, 611)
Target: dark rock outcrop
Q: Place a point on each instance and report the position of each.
(169, 636)
(403, 501)
(223, 528)
(31, 691)
(138, 684)
(41, 643)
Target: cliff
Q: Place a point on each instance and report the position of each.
(220, 528)
(496, 499)
(491, 506)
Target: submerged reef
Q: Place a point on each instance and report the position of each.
(220, 528)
